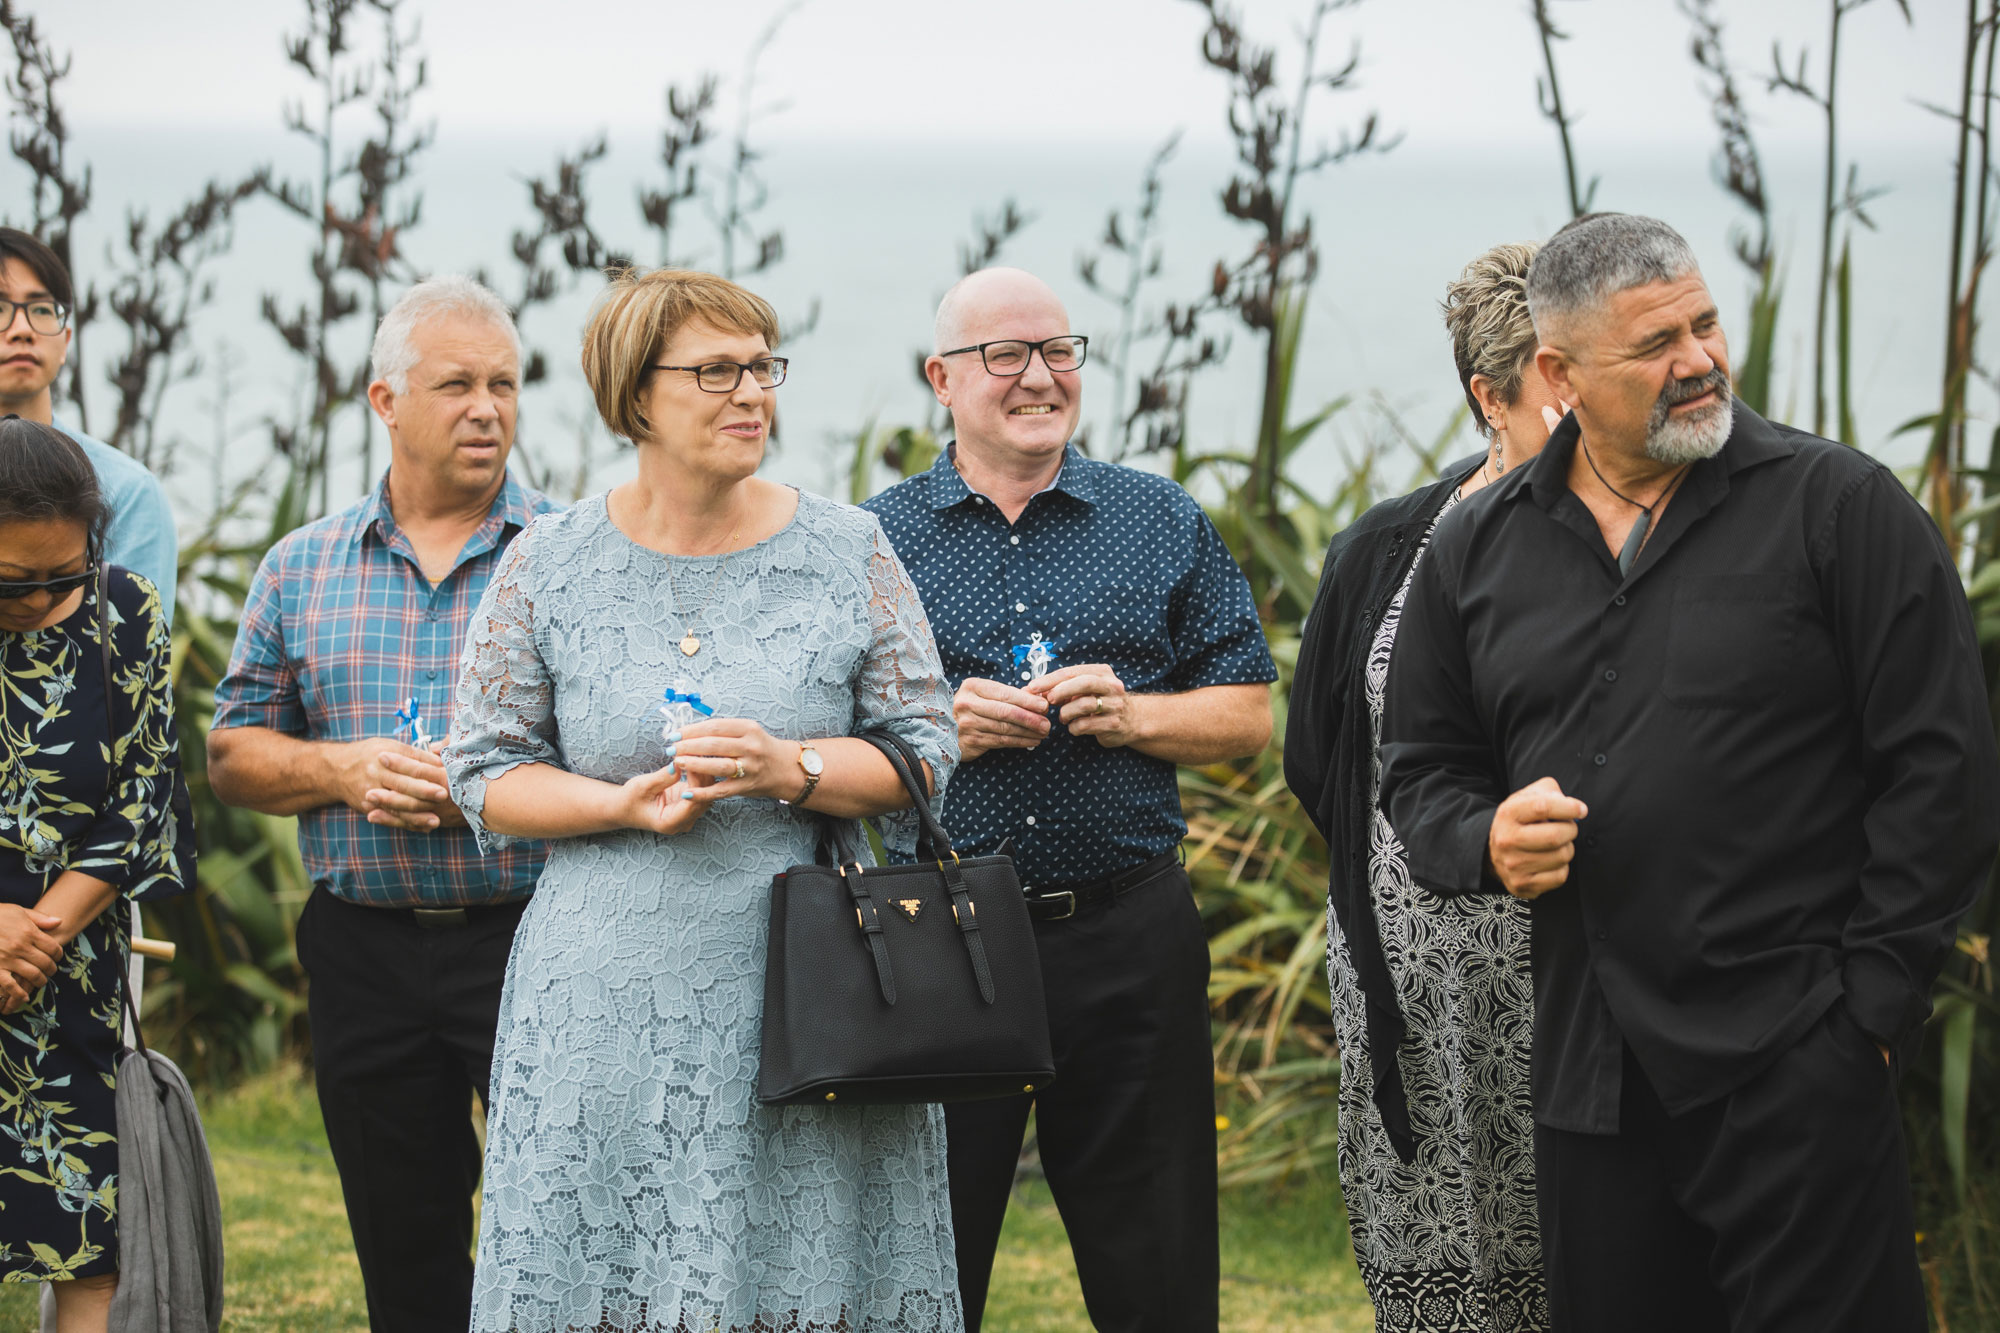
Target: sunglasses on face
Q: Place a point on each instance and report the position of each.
(56, 588)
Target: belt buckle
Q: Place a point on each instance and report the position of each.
(438, 918)
(1061, 893)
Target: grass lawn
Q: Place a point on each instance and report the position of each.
(291, 1267)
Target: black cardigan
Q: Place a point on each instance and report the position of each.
(1329, 750)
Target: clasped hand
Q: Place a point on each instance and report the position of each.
(709, 761)
(398, 785)
(1088, 698)
(28, 954)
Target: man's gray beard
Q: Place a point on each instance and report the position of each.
(1690, 439)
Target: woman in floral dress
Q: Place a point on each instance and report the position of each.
(87, 767)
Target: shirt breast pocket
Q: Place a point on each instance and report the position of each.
(1731, 640)
(1117, 624)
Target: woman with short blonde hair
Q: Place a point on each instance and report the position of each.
(1431, 996)
(638, 314)
(632, 1179)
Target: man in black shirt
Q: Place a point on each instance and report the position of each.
(1706, 690)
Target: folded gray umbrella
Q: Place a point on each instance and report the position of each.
(169, 1217)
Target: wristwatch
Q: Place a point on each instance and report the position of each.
(810, 761)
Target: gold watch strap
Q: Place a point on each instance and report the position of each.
(812, 778)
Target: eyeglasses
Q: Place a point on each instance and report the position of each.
(44, 317)
(724, 376)
(1009, 356)
(56, 588)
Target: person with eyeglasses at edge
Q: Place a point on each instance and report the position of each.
(37, 298)
(406, 935)
(1159, 660)
(88, 765)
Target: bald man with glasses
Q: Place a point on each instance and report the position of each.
(1097, 633)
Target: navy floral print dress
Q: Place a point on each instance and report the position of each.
(83, 787)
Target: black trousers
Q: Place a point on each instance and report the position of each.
(402, 1023)
(1784, 1207)
(1127, 1130)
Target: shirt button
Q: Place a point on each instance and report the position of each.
(1619, 600)
(1031, 819)
(1600, 761)
(1590, 842)
(1610, 675)
(1603, 934)
(1026, 676)
(1014, 540)
(430, 675)
(1020, 606)
(432, 617)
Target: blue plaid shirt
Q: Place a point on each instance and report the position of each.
(340, 629)
(1116, 566)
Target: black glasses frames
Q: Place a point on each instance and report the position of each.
(1010, 356)
(47, 318)
(57, 588)
(724, 376)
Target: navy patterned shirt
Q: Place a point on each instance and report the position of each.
(1116, 566)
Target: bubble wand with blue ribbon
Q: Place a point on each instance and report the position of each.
(1034, 658)
(681, 708)
(411, 716)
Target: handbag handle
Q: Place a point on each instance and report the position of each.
(902, 757)
(933, 843)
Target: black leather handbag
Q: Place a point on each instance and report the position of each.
(901, 983)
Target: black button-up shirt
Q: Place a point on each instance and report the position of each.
(1116, 566)
(1777, 720)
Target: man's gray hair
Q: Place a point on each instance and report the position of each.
(1594, 258)
(395, 352)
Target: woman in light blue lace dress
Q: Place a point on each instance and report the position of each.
(633, 1183)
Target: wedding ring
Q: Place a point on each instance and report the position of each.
(739, 770)
(1100, 704)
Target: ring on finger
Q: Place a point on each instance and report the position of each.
(1100, 704)
(740, 775)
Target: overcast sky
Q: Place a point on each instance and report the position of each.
(1448, 72)
(891, 123)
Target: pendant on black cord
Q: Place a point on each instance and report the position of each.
(1634, 540)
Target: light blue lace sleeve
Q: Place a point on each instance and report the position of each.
(902, 685)
(506, 703)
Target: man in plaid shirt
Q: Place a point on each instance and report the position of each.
(406, 935)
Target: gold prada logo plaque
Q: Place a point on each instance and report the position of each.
(909, 907)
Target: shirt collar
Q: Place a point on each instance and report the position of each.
(1752, 440)
(510, 508)
(1076, 478)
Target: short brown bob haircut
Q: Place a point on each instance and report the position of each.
(639, 313)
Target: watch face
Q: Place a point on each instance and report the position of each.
(810, 761)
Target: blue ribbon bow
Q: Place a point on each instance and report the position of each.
(407, 715)
(1021, 651)
(692, 700)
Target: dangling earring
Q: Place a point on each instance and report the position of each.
(1498, 462)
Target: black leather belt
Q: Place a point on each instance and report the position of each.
(1051, 903)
